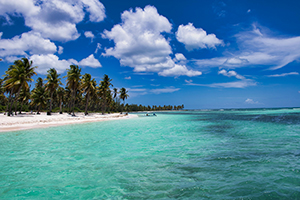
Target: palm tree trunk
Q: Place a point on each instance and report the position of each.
(86, 103)
(38, 111)
(9, 99)
(74, 96)
(16, 97)
(50, 106)
(104, 103)
(21, 107)
(60, 106)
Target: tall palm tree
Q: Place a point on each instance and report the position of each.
(2, 96)
(123, 94)
(18, 76)
(39, 96)
(24, 97)
(73, 78)
(104, 89)
(88, 85)
(52, 85)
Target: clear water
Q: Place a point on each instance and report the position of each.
(250, 154)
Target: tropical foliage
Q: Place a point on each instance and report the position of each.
(82, 93)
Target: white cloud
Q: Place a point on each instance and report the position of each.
(45, 62)
(236, 61)
(255, 48)
(230, 74)
(128, 78)
(164, 90)
(179, 57)
(90, 61)
(195, 38)
(54, 19)
(179, 70)
(235, 84)
(89, 34)
(139, 43)
(98, 48)
(1, 33)
(96, 10)
(260, 49)
(30, 42)
(60, 50)
(251, 101)
(284, 74)
(138, 40)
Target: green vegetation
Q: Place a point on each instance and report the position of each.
(80, 94)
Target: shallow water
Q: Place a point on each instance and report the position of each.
(233, 154)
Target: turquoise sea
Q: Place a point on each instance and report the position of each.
(213, 154)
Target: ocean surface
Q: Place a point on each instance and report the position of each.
(213, 154)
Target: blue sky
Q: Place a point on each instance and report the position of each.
(203, 54)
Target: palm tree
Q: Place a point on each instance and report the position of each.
(123, 94)
(17, 77)
(104, 89)
(60, 95)
(73, 78)
(88, 85)
(39, 96)
(52, 85)
(24, 97)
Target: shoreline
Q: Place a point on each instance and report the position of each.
(27, 120)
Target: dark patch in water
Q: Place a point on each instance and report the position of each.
(288, 118)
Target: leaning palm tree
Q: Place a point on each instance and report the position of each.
(17, 78)
(123, 94)
(104, 89)
(88, 85)
(73, 78)
(52, 84)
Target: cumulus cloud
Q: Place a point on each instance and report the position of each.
(195, 38)
(230, 74)
(47, 61)
(284, 74)
(60, 50)
(98, 48)
(89, 34)
(179, 70)
(251, 101)
(27, 43)
(179, 57)
(139, 42)
(128, 78)
(54, 19)
(90, 61)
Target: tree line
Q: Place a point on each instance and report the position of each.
(81, 93)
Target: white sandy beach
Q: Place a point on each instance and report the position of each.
(30, 121)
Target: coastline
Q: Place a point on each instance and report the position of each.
(27, 120)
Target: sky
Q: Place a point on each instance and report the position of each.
(203, 54)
